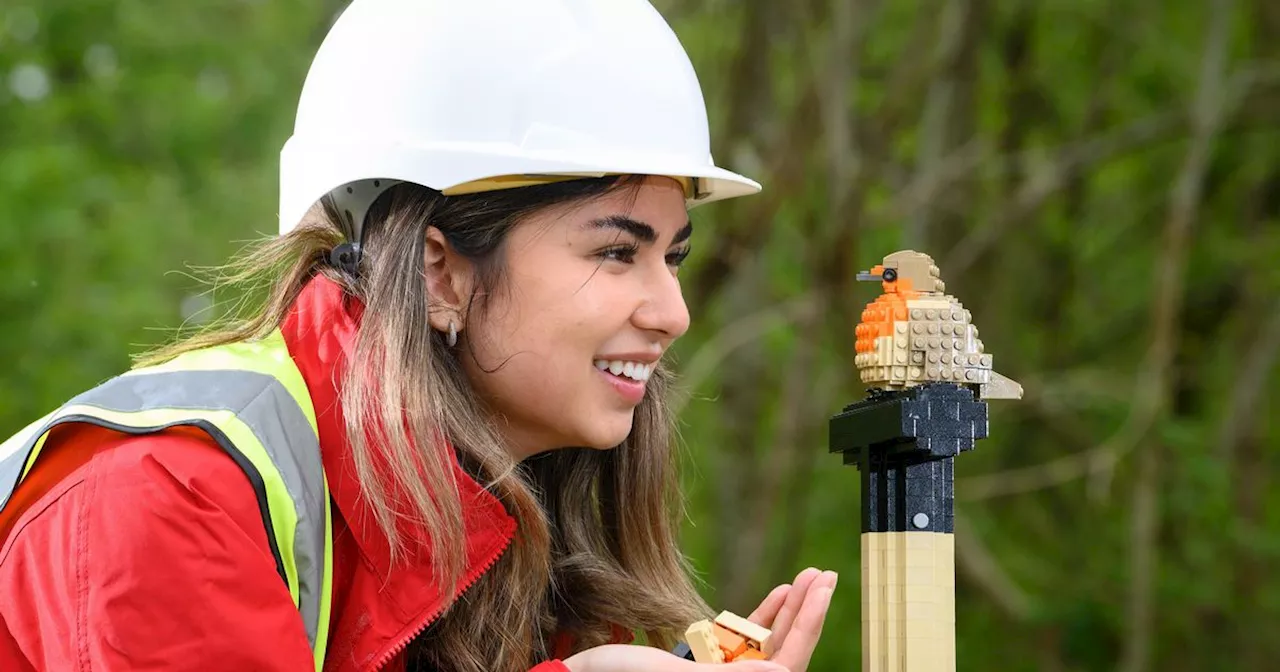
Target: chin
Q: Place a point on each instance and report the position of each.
(606, 436)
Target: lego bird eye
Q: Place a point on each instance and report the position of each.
(890, 275)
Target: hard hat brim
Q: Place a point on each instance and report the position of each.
(310, 170)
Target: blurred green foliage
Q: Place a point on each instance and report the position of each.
(1099, 182)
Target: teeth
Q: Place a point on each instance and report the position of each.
(632, 370)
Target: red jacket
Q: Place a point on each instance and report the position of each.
(129, 553)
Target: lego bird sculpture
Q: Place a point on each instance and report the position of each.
(915, 333)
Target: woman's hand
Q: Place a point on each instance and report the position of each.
(631, 658)
(794, 613)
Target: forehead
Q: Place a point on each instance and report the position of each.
(658, 202)
(654, 207)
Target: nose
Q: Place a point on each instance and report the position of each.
(664, 310)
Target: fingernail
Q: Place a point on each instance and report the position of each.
(835, 578)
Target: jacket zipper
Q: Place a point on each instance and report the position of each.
(470, 581)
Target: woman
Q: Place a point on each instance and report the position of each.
(441, 442)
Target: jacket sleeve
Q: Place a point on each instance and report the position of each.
(153, 555)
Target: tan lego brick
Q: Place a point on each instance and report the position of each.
(701, 639)
(909, 612)
(751, 631)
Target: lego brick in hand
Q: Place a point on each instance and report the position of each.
(728, 639)
(782, 631)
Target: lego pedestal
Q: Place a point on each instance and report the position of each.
(904, 443)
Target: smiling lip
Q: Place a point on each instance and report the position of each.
(642, 357)
(630, 390)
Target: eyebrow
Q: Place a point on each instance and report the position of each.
(639, 229)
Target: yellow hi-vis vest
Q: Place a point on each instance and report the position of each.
(251, 399)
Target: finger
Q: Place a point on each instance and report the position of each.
(795, 598)
(805, 631)
(768, 609)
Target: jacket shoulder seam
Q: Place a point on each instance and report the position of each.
(81, 543)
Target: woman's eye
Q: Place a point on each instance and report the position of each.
(677, 258)
(627, 254)
(624, 253)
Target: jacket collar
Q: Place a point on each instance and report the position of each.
(320, 332)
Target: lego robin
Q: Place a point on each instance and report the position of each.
(915, 333)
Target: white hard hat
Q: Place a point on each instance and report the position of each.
(470, 95)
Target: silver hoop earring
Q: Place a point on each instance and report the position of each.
(453, 334)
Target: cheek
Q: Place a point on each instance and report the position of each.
(557, 317)
(532, 351)
(535, 361)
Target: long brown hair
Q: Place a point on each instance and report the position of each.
(596, 542)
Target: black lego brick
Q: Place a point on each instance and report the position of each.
(904, 443)
(895, 492)
(930, 421)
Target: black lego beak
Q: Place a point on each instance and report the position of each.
(888, 275)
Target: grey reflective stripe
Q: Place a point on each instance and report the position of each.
(264, 405)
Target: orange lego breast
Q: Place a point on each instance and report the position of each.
(880, 315)
(907, 341)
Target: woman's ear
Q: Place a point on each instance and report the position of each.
(449, 277)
